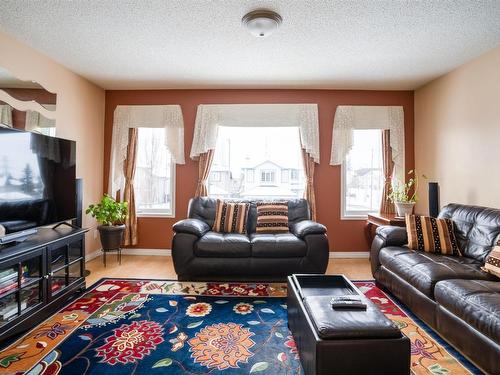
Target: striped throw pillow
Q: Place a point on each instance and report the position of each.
(431, 235)
(492, 263)
(272, 217)
(231, 217)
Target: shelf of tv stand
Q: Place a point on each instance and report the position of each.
(52, 287)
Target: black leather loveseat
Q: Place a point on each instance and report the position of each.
(450, 293)
(201, 254)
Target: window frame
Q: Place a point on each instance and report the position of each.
(265, 173)
(160, 212)
(216, 176)
(285, 176)
(344, 215)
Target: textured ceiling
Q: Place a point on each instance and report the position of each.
(201, 44)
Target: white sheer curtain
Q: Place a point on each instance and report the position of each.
(6, 115)
(210, 116)
(168, 117)
(349, 118)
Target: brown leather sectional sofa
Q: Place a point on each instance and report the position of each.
(451, 294)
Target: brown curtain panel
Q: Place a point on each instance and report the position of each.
(386, 206)
(128, 191)
(204, 165)
(309, 192)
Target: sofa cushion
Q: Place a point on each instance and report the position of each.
(424, 270)
(477, 229)
(477, 302)
(431, 235)
(231, 217)
(272, 217)
(492, 262)
(280, 245)
(223, 245)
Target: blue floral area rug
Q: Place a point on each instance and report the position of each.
(167, 327)
(158, 327)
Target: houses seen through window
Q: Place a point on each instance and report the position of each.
(257, 163)
(154, 176)
(362, 174)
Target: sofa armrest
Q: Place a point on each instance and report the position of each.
(385, 236)
(306, 227)
(192, 226)
(392, 236)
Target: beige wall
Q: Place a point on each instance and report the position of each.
(457, 133)
(79, 116)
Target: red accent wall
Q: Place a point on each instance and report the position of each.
(344, 235)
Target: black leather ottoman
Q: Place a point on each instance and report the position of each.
(342, 341)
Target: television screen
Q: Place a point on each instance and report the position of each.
(37, 180)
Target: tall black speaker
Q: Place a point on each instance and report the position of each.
(78, 221)
(433, 199)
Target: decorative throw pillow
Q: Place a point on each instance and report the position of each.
(272, 217)
(431, 235)
(492, 263)
(231, 217)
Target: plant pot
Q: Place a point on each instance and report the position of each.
(404, 208)
(111, 236)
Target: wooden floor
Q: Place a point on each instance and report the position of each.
(161, 267)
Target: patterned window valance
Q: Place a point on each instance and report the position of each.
(349, 118)
(6, 115)
(210, 116)
(143, 116)
(36, 121)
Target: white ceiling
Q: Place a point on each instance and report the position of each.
(201, 44)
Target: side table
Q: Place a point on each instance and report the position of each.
(377, 220)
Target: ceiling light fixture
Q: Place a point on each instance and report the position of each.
(262, 22)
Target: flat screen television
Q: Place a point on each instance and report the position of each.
(37, 180)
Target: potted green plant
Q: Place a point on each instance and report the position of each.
(111, 216)
(404, 195)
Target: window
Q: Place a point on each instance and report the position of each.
(215, 176)
(258, 161)
(362, 175)
(154, 182)
(267, 177)
(285, 176)
(295, 174)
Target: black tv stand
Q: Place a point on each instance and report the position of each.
(46, 271)
(65, 223)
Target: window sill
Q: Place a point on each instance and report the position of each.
(354, 217)
(159, 215)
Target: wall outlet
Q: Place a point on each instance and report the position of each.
(95, 234)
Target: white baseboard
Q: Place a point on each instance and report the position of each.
(350, 254)
(168, 252)
(133, 251)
